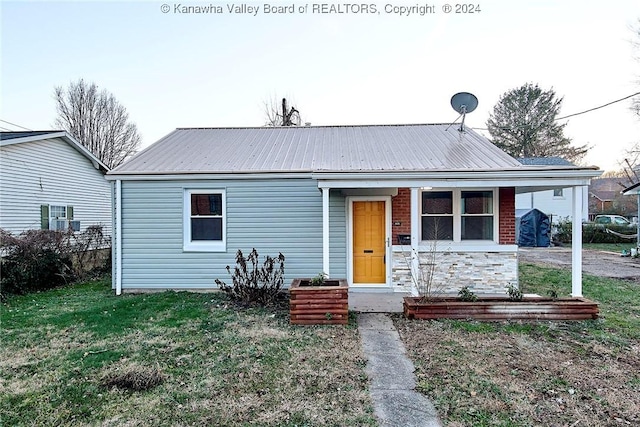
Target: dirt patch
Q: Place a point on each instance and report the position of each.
(546, 376)
(597, 263)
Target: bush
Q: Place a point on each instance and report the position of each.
(38, 260)
(254, 284)
(35, 260)
(593, 233)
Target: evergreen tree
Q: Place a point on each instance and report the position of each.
(523, 124)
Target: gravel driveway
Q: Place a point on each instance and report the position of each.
(597, 263)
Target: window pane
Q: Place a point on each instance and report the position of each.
(206, 228)
(206, 204)
(477, 202)
(58, 212)
(477, 228)
(557, 192)
(437, 228)
(437, 202)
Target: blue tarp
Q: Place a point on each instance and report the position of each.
(532, 228)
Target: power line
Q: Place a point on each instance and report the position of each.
(597, 108)
(574, 114)
(13, 124)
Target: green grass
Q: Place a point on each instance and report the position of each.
(609, 247)
(221, 366)
(619, 300)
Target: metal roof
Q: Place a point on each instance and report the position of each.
(545, 161)
(24, 134)
(317, 149)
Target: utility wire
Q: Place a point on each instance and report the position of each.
(574, 114)
(13, 124)
(597, 108)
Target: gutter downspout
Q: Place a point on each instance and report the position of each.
(325, 232)
(118, 260)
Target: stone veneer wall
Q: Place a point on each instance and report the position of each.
(483, 272)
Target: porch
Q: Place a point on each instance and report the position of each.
(485, 260)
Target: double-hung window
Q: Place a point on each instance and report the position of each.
(458, 215)
(204, 220)
(437, 215)
(476, 209)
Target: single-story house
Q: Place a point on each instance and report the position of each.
(365, 203)
(50, 181)
(556, 203)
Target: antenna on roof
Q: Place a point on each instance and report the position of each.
(463, 103)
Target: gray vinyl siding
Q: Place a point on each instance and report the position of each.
(337, 235)
(50, 172)
(272, 215)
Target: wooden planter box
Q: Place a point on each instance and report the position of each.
(319, 305)
(501, 308)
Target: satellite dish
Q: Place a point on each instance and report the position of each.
(463, 103)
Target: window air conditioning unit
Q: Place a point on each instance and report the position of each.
(58, 224)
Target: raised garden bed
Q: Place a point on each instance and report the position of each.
(501, 308)
(327, 304)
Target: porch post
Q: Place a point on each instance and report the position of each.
(325, 231)
(118, 236)
(576, 243)
(415, 236)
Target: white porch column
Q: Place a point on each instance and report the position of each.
(325, 231)
(118, 236)
(415, 236)
(576, 243)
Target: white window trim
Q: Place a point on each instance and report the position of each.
(57, 206)
(457, 218)
(68, 221)
(203, 246)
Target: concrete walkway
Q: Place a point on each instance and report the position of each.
(395, 401)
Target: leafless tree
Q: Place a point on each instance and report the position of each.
(281, 115)
(97, 120)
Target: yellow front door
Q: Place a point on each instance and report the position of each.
(368, 242)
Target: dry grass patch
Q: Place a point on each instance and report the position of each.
(132, 377)
(530, 374)
(507, 378)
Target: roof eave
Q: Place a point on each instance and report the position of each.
(68, 139)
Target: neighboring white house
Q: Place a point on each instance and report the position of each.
(556, 203)
(48, 180)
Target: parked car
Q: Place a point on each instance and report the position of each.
(613, 220)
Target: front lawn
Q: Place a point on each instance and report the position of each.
(533, 374)
(68, 357)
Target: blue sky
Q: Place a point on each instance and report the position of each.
(180, 70)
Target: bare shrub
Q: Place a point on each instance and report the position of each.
(43, 259)
(254, 283)
(34, 260)
(90, 251)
